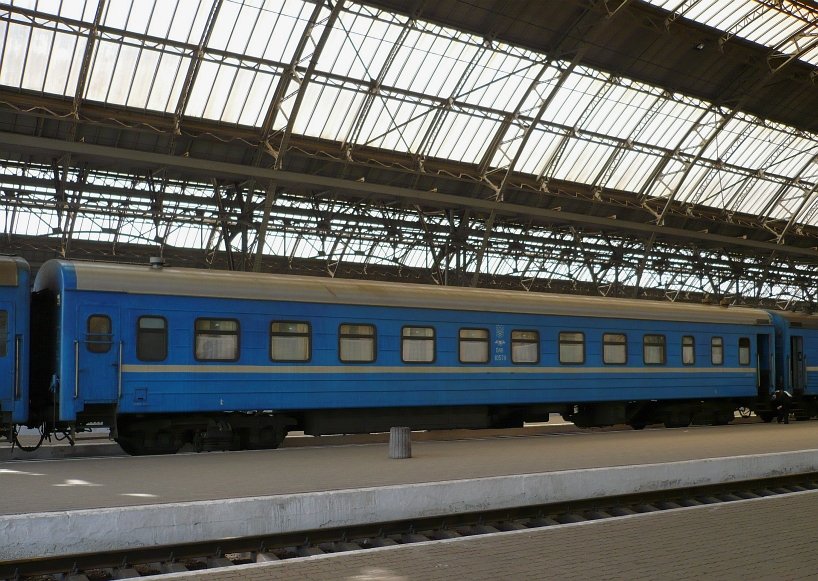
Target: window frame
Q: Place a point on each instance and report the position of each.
(196, 334)
(486, 341)
(605, 343)
(140, 331)
(749, 351)
(404, 338)
(561, 342)
(93, 342)
(374, 338)
(535, 342)
(692, 346)
(308, 335)
(713, 350)
(645, 346)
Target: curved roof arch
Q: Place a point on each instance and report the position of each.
(608, 119)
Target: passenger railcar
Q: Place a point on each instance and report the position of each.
(14, 342)
(226, 360)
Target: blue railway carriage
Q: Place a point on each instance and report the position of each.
(14, 342)
(796, 353)
(226, 360)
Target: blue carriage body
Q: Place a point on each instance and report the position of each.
(15, 300)
(563, 362)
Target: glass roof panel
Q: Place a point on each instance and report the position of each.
(500, 78)
(463, 137)
(631, 170)
(540, 149)
(760, 21)
(359, 46)
(573, 98)
(620, 112)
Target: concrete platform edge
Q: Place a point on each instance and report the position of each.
(58, 533)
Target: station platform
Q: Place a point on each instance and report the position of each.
(121, 502)
(766, 538)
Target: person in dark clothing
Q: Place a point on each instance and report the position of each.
(781, 404)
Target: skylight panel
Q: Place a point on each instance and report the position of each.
(500, 79)
(631, 171)
(463, 137)
(541, 147)
(359, 45)
(329, 112)
(572, 99)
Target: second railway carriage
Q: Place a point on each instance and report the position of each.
(224, 360)
(14, 341)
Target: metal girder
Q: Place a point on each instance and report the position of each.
(289, 76)
(195, 65)
(358, 189)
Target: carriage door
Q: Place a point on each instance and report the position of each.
(798, 364)
(764, 365)
(97, 354)
(9, 355)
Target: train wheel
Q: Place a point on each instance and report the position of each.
(637, 425)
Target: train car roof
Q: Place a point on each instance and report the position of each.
(120, 278)
(800, 319)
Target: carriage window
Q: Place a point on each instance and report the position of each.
(289, 341)
(356, 343)
(688, 350)
(744, 351)
(614, 348)
(417, 345)
(217, 340)
(99, 335)
(151, 339)
(474, 346)
(572, 348)
(525, 347)
(717, 351)
(4, 332)
(654, 349)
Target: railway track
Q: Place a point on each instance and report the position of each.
(230, 552)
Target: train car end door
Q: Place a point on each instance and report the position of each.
(798, 365)
(97, 355)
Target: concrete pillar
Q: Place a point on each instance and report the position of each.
(400, 443)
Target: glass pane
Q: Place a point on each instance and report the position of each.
(744, 351)
(614, 349)
(365, 330)
(217, 347)
(654, 349)
(418, 332)
(289, 348)
(357, 349)
(151, 339)
(223, 326)
(289, 327)
(480, 334)
(524, 353)
(99, 334)
(688, 351)
(717, 351)
(572, 347)
(418, 350)
(474, 351)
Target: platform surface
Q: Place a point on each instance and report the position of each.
(87, 483)
(768, 538)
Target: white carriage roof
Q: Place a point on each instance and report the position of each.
(118, 278)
